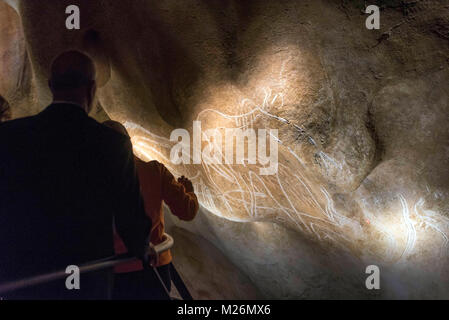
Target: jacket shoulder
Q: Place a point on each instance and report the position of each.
(155, 165)
(17, 124)
(15, 129)
(105, 133)
(152, 168)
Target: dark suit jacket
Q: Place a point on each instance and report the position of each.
(64, 178)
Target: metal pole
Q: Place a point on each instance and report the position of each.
(89, 267)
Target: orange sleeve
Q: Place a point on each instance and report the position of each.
(182, 204)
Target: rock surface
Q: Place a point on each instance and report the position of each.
(361, 118)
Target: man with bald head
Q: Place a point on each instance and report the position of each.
(64, 180)
(73, 80)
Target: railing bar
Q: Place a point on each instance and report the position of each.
(89, 267)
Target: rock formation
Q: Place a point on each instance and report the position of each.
(363, 139)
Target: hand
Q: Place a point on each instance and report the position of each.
(186, 183)
(152, 256)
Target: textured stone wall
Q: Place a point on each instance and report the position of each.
(361, 114)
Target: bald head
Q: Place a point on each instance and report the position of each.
(117, 126)
(73, 79)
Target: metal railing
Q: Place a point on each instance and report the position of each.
(85, 268)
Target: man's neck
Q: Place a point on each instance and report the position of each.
(65, 101)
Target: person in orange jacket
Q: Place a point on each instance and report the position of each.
(157, 185)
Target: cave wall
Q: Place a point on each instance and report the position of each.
(15, 73)
(361, 115)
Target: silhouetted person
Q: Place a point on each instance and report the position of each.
(64, 178)
(157, 185)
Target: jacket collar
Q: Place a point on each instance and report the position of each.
(67, 108)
